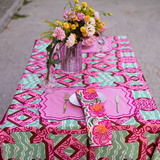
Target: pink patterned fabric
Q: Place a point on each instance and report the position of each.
(141, 127)
(103, 137)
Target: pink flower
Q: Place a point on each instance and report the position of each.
(71, 40)
(97, 110)
(69, 14)
(80, 16)
(59, 33)
(90, 93)
(89, 41)
(103, 29)
(96, 14)
(102, 133)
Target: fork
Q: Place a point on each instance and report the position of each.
(66, 98)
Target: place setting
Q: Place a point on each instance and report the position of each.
(116, 100)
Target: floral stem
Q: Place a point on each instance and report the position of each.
(48, 71)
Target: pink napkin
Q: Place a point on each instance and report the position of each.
(98, 124)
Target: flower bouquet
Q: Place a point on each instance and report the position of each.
(81, 23)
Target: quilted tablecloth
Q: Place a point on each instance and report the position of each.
(25, 134)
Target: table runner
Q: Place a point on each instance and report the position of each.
(25, 134)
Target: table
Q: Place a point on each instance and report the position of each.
(24, 134)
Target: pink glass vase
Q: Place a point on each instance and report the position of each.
(71, 58)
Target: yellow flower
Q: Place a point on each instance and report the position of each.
(75, 18)
(66, 25)
(59, 22)
(78, 7)
(76, 1)
(101, 25)
(74, 35)
(87, 18)
(69, 25)
(98, 20)
(91, 9)
(75, 42)
(73, 26)
(84, 34)
(83, 29)
(76, 23)
(84, 4)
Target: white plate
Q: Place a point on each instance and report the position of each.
(73, 98)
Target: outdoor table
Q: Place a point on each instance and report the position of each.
(27, 132)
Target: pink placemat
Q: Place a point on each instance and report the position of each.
(51, 106)
(93, 48)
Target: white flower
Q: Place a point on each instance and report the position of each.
(90, 29)
(96, 14)
(71, 40)
(92, 21)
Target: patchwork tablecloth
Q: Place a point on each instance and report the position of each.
(24, 134)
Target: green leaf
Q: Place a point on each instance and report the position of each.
(90, 134)
(71, 14)
(16, 16)
(26, 2)
(90, 139)
(53, 65)
(48, 49)
(105, 117)
(84, 108)
(56, 61)
(55, 41)
(58, 56)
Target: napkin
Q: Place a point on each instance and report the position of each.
(99, 126)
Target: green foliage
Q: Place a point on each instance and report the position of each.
(51, 23)
(16, 16)
(47, 35)
(70, 5)
(26, 2)
(50, 48)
